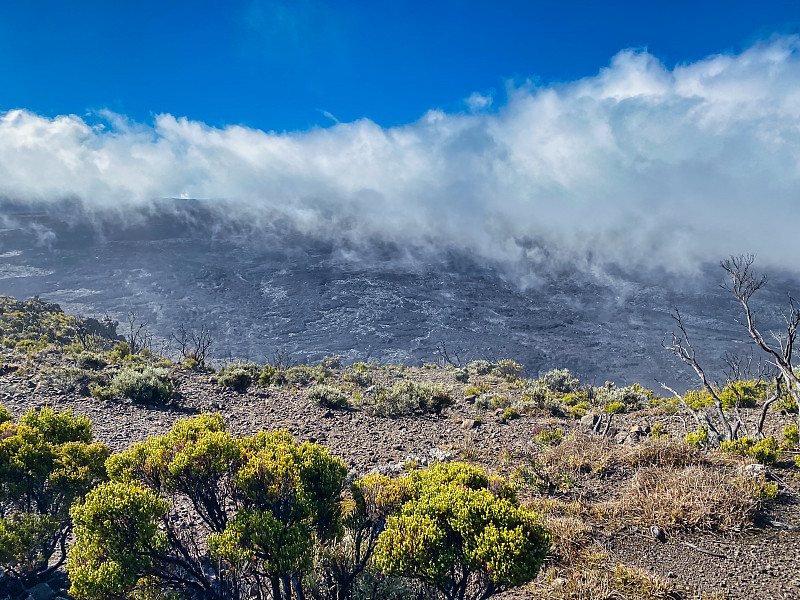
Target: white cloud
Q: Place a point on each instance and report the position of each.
(639, 163)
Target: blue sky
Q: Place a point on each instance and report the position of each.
(282, 64)
(626, 132)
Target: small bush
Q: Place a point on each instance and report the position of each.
(616, 408)
(331, 362)
(698, 399)
(407, 397)
(510, 414)
(461, 375)
(237, 376)
(481, 367)
(561, 381)
(764, 451)
(550, 437)
(698, 439)
(328, 396)
(506, 367)
(790, 437)
(91, 360)
(149, 386)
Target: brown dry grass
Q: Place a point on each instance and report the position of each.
(592, 454)
(596, 576)
(696, 497)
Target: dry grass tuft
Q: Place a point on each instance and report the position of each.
(692, 497)
(580, 453)
(665, 452)
(595, 576)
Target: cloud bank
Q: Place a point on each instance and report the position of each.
(638, 165)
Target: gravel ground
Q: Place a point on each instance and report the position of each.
(760, 562)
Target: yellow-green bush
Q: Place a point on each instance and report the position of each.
(460, 538)
(258, 506)
(764, 451)
(47, 460)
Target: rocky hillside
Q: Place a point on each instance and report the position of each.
(635, 510)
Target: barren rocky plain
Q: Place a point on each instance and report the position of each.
(635, 511)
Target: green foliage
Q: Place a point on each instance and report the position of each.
(116, 535)
(616, 408)
(561, 381)
(328, 396)
(237, 376)
(550, 437)
(91, 360)
(790, 437)
(47, 461)
(746, 393)
(407, 397)
(764, 451)
(481, 367)
(510, 414)
(149, 386)
(259, 507)
(657, 432)
(460, 538)
(506, 367)
(34, 324)
(461, 375)
(698, 439)
(698, 399)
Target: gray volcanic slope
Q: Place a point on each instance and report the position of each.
(261, 291)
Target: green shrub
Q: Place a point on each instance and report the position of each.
(561, 381)
(258, 508)
(481, 367)
(764, 451)
(47, 461)
(616, 408)
(91, 360)
(698, 439)
(328, 396)
(550, 437)
(148, 386)
(698, 399)
(510, 414)
(407, 397)
(237, 376)
(461, 375)
(790, 437)
(747, 393)
(506, 367)
(500, 401)
(455, 535)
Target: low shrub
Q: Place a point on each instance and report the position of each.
(148, 386)
(507, 368)
(765, 451)
(561, 381)
(328, 396)
(481, 367)
(407, 397)
(462, 531)
(91, 360)
(237, 376)
(790, 437)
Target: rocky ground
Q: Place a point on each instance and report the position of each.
(761, 560)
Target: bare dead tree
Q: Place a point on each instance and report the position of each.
(282, 359)
(193, 344)
(682, 348)
(743, 282)
(138, 337)
(445, 358)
